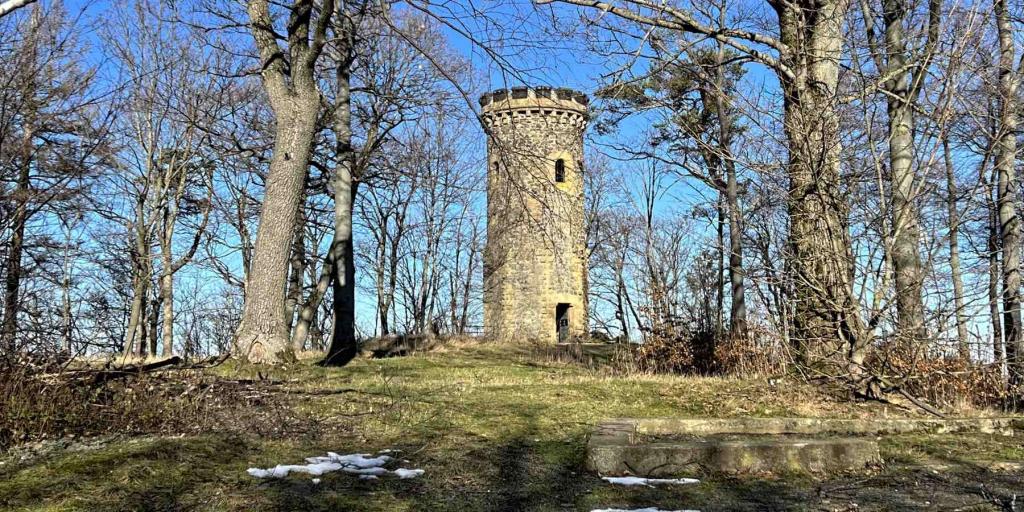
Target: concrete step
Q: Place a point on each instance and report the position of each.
(755, 455)
(852, 426)
(658, 447)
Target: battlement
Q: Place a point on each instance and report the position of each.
(535, 100)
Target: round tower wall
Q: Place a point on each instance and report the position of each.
(535, 262)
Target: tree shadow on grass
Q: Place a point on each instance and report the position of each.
(144, 474)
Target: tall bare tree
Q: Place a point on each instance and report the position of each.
(49, 137)
(903, 73)
(806, 58)
(288, 68)
(1005, 167)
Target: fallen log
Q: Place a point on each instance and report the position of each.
(97, 376)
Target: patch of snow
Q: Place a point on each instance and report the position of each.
(282, 471)
(355, 460)
(363, 464)
(649, 482)
(408, 473)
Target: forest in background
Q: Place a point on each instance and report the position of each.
(827, 186)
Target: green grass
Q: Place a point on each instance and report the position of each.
(495, 428)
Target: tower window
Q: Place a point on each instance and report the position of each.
(559, 171)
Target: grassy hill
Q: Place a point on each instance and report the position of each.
(495, 428)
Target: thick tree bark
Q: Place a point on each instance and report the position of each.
(263, 335)
(1005, 163)
(826, 312)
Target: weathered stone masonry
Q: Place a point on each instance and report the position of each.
(535, 262)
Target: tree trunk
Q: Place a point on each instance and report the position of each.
(67, 318)
(12, 281)
(167, 301)
(738, 308)
(467, 283)
(826, 310)
(906, 260)
(720, 263)
(954, 254)
(134, 315)
(307, 315)
(170, 214)
(143, 327)
(343, 338)
(135, 333)
(992, 247)
(388, 312)
(1005, 163)
(297, 271)
(291, 85)
(263, 335)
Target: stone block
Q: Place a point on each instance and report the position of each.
(659, 447)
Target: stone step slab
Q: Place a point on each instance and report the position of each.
(659, 447)
(754, 456)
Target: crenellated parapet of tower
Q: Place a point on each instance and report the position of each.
(561, 104)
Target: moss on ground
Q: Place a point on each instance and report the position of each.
(495, 428)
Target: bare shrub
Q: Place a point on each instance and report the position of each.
(45, 400)
(703, 352)
(940, 379)
(674, 353)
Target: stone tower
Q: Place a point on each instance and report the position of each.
(535, 262)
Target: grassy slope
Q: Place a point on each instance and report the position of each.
(495, 429)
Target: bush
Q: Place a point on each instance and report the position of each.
(705, 353)
(682, 353)
(44, 400)
(939, 379)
